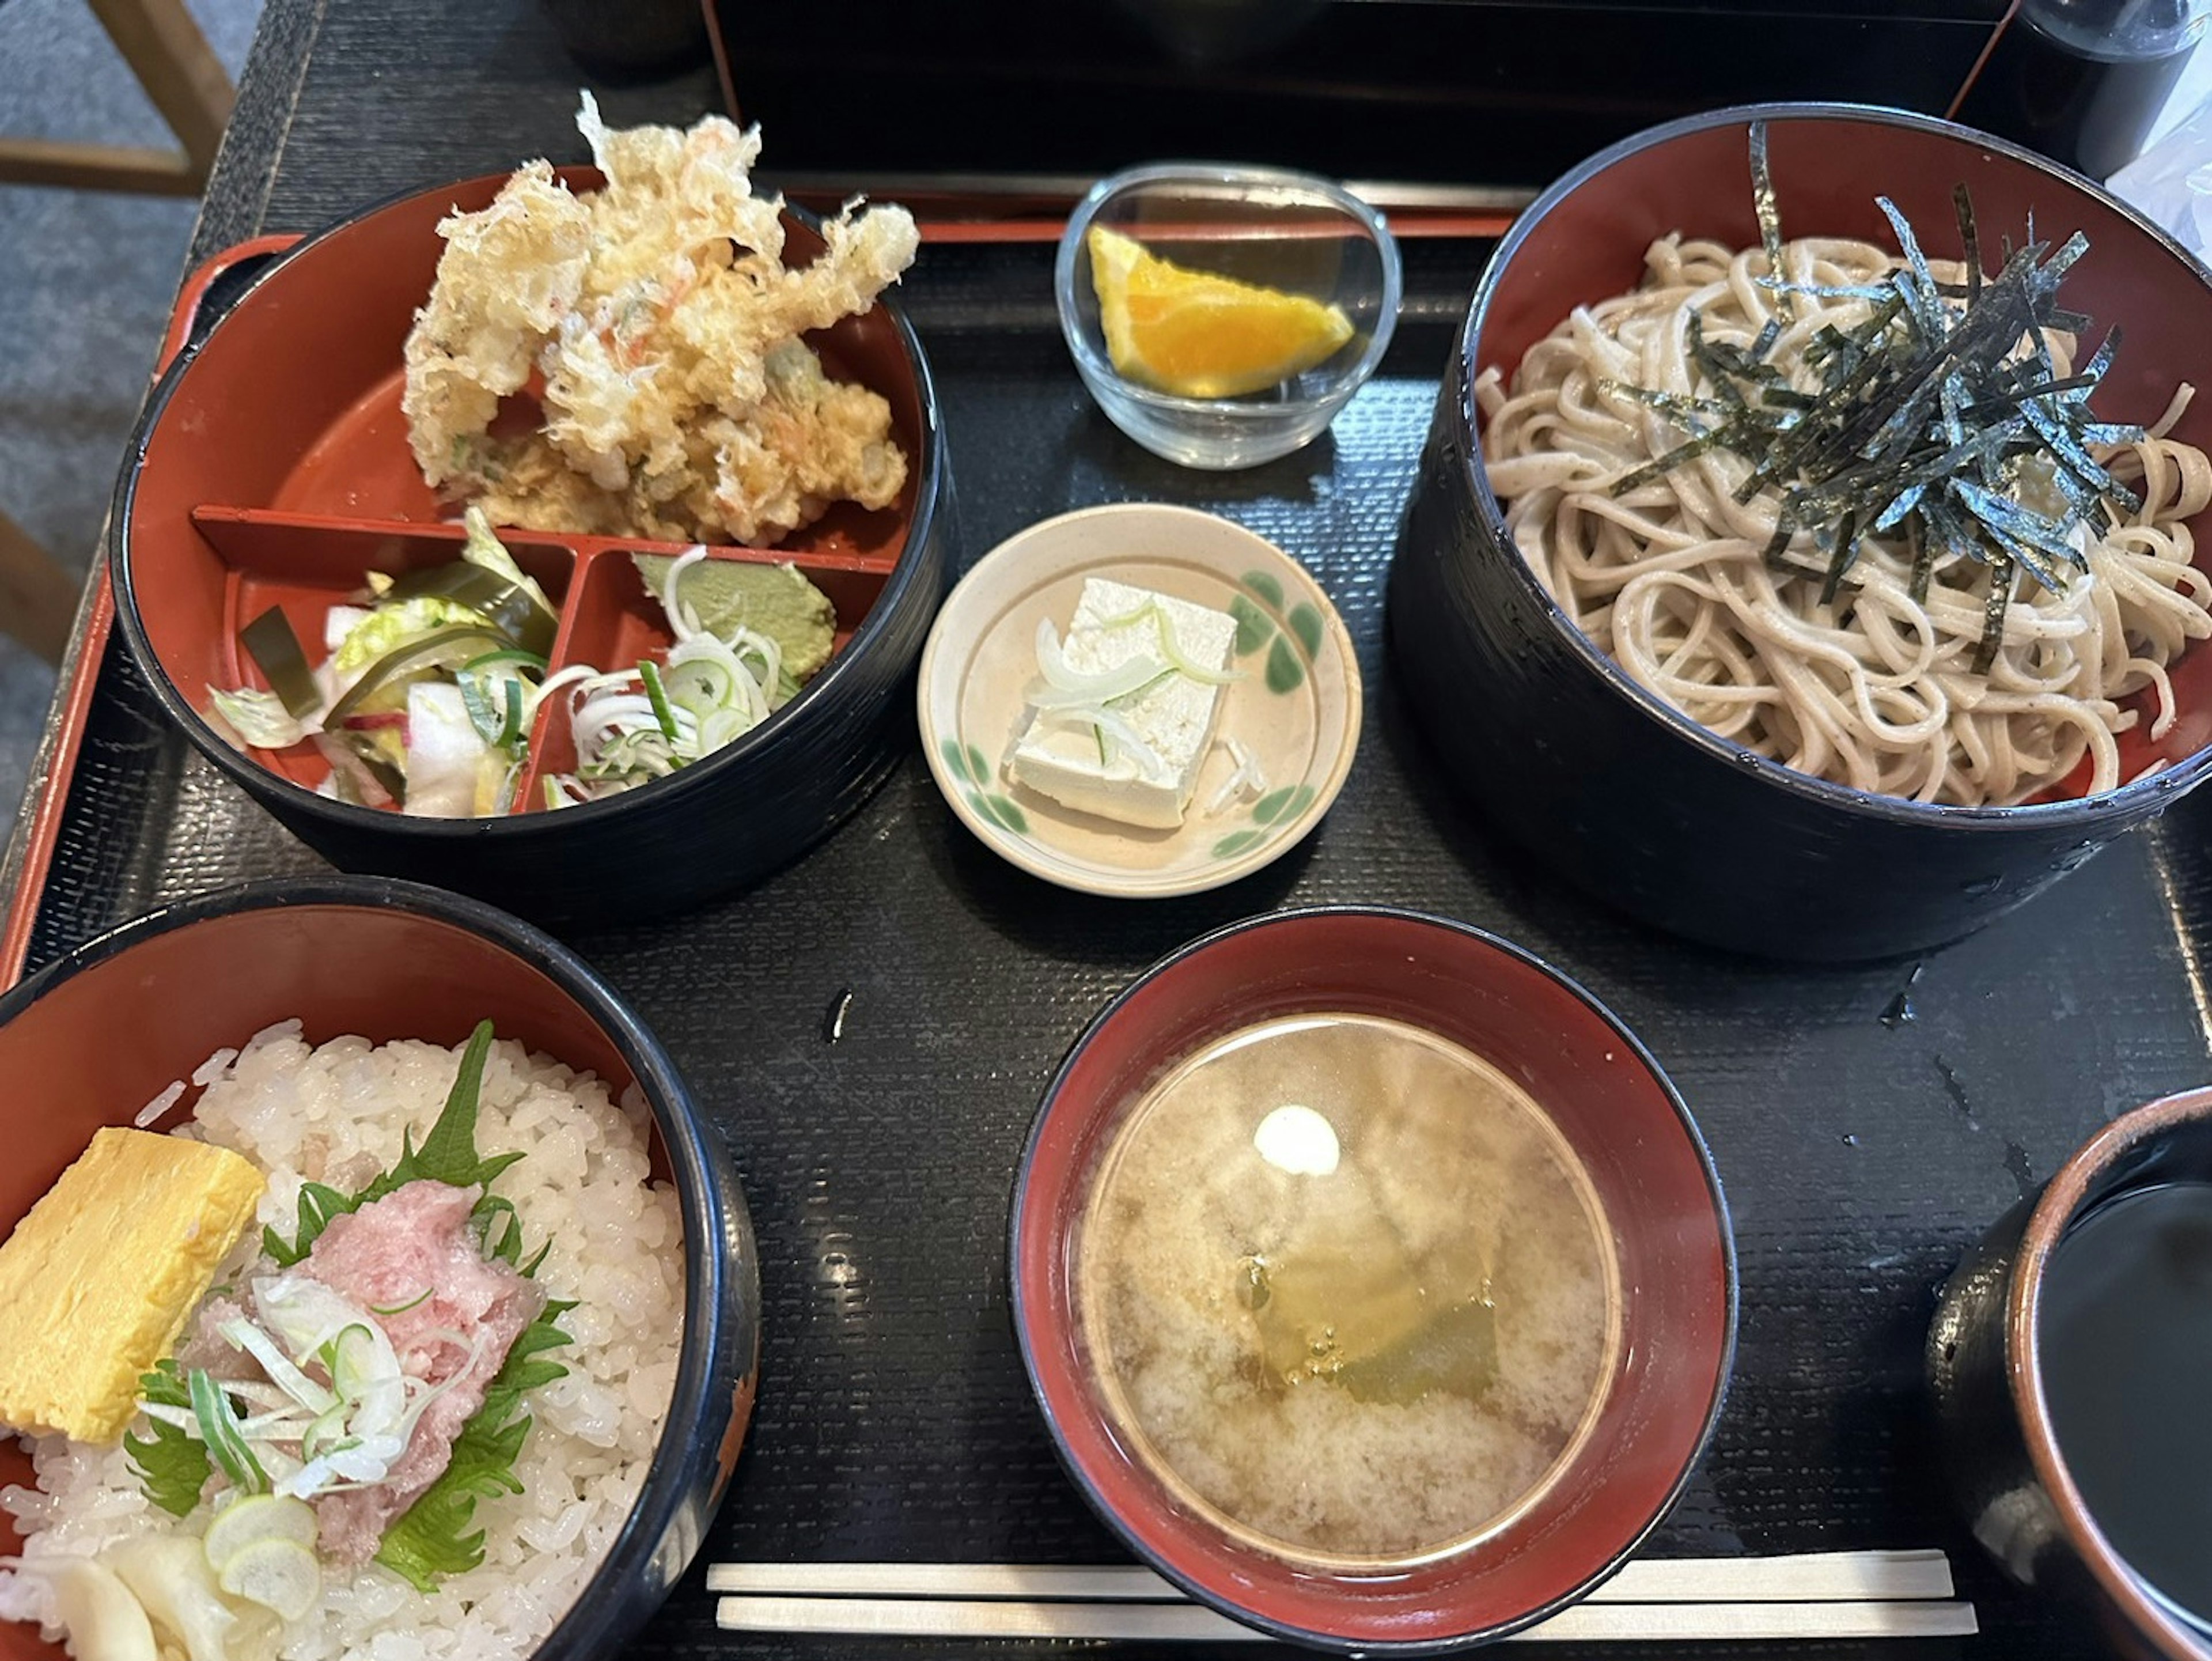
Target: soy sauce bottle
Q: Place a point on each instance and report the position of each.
(2081, 81)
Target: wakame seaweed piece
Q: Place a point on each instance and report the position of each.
(269, 640)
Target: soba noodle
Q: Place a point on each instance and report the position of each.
(1876, 690)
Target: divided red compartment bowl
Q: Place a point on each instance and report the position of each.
(272, 468)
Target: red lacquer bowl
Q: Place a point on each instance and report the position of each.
(272, 469)
(1656, 1184)
(100, 1033)
(1617, 790)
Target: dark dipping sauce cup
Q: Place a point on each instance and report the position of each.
(2068, 1361)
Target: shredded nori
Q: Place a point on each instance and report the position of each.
(1931, 415)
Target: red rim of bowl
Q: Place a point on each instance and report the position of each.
(2059, 1206)
(1403, 1609)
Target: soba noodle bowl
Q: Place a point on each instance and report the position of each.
(1873, 688)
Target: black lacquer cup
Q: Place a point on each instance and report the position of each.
(1988, 1372)
(1623, 795)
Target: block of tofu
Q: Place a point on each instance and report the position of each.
(97, 1280)
(1114, 622)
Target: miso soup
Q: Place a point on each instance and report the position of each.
(1348, 1289)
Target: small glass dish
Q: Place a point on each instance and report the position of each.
(1286, 231)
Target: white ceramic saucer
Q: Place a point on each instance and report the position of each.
(1296, 707)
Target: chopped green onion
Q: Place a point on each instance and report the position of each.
(657, 697)
(701, 685)
(401, 1309)
(218, 1430)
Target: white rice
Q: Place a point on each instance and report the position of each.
(335, 1114)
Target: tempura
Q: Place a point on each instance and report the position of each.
(679, 401)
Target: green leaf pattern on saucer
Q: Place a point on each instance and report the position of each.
(1257, 626)
(968, 764)
(1291, 639)
(1276, 807)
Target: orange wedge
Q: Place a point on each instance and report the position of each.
(1197, 335)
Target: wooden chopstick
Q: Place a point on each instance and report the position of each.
(1807, 1577)
(1163, 1622)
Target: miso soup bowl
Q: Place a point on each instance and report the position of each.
(1985, 1374)
(104, 1030)
(1620, 793)
(1670, 1239)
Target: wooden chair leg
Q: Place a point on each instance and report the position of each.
(188, 85)
(179, 70)
(38, 599)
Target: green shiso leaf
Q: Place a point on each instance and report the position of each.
(435, 1537)
(172, 1465)
(448, 1154)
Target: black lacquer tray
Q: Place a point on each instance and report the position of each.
(1868, 1122)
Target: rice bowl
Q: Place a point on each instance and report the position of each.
(326, 1113)
(390, 961)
